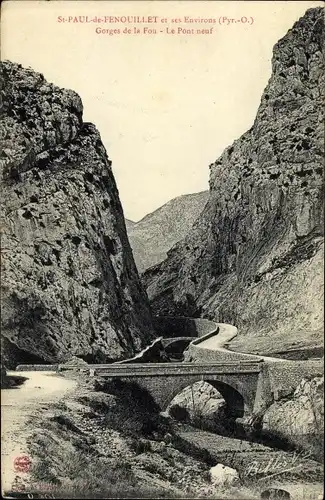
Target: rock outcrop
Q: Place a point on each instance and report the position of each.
(201, 405)
(156, 233)
(129, 224)
(69, 282)
(299, 419)
(3, 376)
(153, 353)
(254, 258)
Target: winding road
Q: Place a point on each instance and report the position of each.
(225, 334)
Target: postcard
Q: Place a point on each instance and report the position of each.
(162, 249)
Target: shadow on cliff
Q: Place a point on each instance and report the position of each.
(145, 416)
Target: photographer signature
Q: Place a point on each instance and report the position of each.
(276, 466)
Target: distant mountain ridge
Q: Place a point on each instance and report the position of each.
(159, 231)
(129, 224)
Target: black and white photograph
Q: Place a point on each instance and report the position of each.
(162, 249)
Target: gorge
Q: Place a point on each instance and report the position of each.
(249, 254)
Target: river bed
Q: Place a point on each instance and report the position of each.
(258, 465)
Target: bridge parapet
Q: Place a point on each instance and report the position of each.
(175, 369)
(37, 368)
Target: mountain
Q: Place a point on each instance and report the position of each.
(254, 258)
(129, 224)
(69, 282)
(156, 233)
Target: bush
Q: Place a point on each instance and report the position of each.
(179, 413)
(141, 446)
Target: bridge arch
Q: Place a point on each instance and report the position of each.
(235, 404)
(239, 383)
(176, 347)
(238, 402)
(234, 399)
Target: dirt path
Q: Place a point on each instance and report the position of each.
(18, 405)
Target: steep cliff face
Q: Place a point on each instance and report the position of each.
(254, 257)
(69, 282)
(156, 233)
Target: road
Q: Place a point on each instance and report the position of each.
(18, 405)
(225, 334)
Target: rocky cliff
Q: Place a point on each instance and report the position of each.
(69, 282)
(156, 233)
(129, 224)
(299, 417)
(254, 257)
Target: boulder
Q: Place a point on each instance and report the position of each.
(303, 414)
(275, 494)
(221, 475)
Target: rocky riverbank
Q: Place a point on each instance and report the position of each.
(294, 421)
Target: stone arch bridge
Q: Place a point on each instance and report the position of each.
(240, 383)
(248, 383)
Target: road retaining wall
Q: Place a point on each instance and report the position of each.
(38, 368)
(289, 374)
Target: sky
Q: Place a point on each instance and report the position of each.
(166, 104)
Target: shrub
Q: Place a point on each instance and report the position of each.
(141, 446)
(179, 413)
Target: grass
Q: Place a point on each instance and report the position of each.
(76, 474)
(83, 490)
(67, 465)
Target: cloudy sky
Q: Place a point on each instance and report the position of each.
(166, 104)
